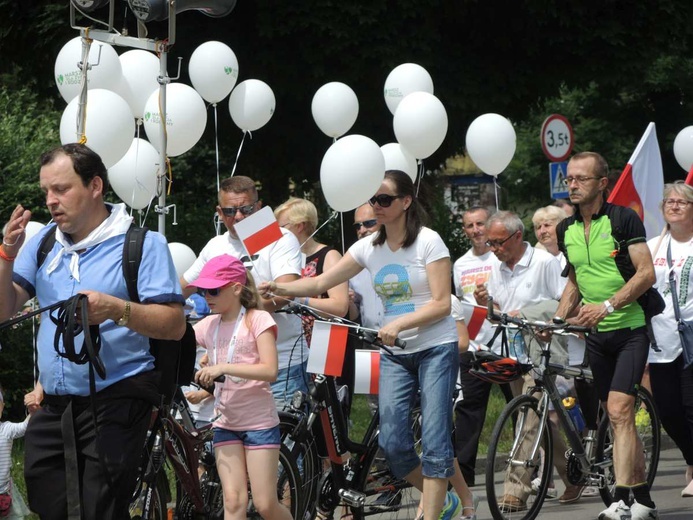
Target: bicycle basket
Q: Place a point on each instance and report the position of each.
(502, 370)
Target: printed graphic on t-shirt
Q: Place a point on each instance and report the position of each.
(470, 278)
(393, 287)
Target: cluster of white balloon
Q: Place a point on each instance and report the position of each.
(420, 124)
(683, 148)
(124, 93)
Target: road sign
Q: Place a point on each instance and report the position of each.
(557, 173)
(556, 138)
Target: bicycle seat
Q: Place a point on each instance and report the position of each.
(499, 370)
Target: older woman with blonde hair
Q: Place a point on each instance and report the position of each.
(672, 382)
(545, 221)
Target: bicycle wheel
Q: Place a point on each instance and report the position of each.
(157, 504)
(508, 461)
(288, 486)
(305, 456)
(648, 428)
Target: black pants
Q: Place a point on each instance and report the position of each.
(672, 389)
(107, 462)
(470, 416)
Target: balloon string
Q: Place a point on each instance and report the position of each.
(82, 105)
(334, 214)
(341, 223)
(495, 189)
(420, 176)
(239, 150)
(216, 140)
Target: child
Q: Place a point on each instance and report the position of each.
(241, 345)
(8, 432)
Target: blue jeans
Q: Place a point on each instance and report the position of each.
(289, 380)
(433, 372)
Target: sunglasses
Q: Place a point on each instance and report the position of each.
(245, 210)
(384, 200)
(214, 292)
(366, 223)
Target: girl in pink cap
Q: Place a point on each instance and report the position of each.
(241, 345)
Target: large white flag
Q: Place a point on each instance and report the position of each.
(641, 185)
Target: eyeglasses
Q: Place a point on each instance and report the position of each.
(496, 244)
(366, 223)
(670, 203)
(580, 179)
(245, 210)
(384, 200)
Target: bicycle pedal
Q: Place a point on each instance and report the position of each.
(352, 498)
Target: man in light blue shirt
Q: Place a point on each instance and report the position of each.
(87, 258)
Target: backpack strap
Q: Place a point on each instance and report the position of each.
(45, 247)
(132, 257)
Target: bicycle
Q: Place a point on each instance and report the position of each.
(523, 428)
(315, 428)
(185, 448)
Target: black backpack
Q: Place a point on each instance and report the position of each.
(173, 360)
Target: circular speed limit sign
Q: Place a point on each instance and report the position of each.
(556, 138)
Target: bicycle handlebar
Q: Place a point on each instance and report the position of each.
(557, 326)
(370, 336)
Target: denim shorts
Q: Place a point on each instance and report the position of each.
(433, 372)
(250, 439)
(288, 381)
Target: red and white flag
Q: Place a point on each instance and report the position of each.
(474, 319)
(641, 184)
(327, 349)
(366, 371)
(689, 177)
(258, 230)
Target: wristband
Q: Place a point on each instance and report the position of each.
(123, 321)
(306, 300)
(5, 256)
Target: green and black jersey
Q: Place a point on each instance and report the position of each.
(603, 265)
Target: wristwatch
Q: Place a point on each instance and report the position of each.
(123, 321)
(609, 307)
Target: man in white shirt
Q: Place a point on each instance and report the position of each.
(472, 268)
(522, 276)
(281, 261)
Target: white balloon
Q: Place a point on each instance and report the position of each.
(335, 108)
(140, 73)
(251, 104)
(420, 124)
(397, 158)
(351, 172)
(491, 143)
(404, 80)
(213, 70)
(30, 230)
(683, 148)
(133, 178)
(109, 126)
(107, 74)
(183, 257)
(186, 118)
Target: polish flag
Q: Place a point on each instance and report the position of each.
(327, 348)
(366, 372)
(641, 184)
(258, 230)
(474, 318)
(689, 177)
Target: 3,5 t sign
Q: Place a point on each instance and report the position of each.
(556, 138)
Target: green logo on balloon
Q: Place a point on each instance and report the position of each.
(147, 116)
(228, 71)
(60, 79)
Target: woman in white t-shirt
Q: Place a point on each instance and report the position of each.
(672, 382)
(410, 269)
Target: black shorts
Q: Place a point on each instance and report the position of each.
(617, 359)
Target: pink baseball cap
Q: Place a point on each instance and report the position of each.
(220, 271)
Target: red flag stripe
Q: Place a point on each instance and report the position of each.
(336, 350)
(689, 177)
(476, 321)
(263, 238)
(375, 372)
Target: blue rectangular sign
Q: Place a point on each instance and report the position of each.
(557, 175)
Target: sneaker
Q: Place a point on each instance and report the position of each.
(551, 492)
(616, 511)
(452, 507)
(572, 494)
(641, 512)
(387, 500)
(511, 504)
(471, 510)
(590, 492)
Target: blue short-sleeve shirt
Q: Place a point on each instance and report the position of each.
(124, 352)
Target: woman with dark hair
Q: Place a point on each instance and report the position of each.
(410, 268)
